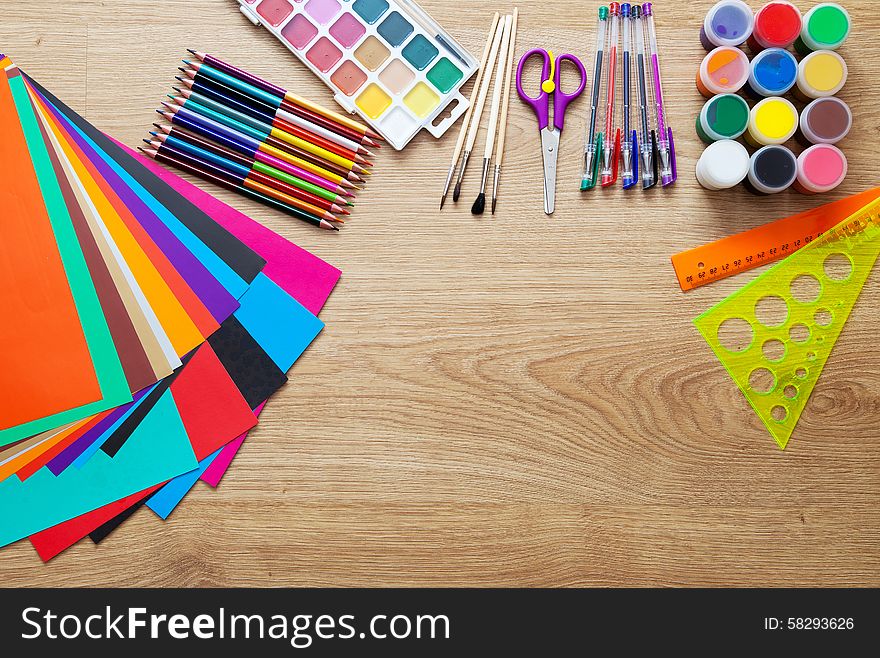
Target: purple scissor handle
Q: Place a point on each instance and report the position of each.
(550, 85)
(550, 79)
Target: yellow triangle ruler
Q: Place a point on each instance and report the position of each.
(795, 312)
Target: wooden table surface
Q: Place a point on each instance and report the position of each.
(507, 401)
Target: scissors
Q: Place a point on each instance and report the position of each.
(550, 84)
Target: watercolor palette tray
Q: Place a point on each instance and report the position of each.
(386, 60)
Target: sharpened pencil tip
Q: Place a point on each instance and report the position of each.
(479, 206)
(190, 50)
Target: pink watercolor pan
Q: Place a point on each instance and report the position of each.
(386, 60)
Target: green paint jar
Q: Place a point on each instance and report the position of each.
(725, 116)
(825, 27)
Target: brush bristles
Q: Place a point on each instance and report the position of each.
(479, 205)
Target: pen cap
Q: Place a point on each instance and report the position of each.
(724, 70)
(636, 11)
(614, 9)
(772, 169)
(603, 13)
(727, 23)
(722, 165)
(820, 168)
(624, 9)
(647, 9)
(825, 121)
(821, 73)
(774, 120)
(772, 72)
(825, 27)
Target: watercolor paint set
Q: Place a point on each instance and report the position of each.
(386, 60)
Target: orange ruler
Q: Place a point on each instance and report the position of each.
(763, 244)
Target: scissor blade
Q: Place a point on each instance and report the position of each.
(550, 151)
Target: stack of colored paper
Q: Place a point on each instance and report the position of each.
(146, 324)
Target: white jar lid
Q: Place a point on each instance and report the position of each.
(723, 164)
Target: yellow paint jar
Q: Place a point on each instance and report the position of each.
(772, 121)
(821, 73)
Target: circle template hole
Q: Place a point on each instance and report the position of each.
(773, 349)
(761, 380)
(838, 267)
(779, 413)
(806, 288)
(811, 356)
(823, 317)
(799, 333)
(800, 373)
(790, 391)
(735, 334)
(771, 311)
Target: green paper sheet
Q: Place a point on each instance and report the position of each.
(157, 451)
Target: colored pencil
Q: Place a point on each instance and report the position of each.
(261, 124)
(265, 174)
(243, 102)
(214, 174)
(250, 146)
(257, 108)
(266, 166)
(332, 155)
(242, 175)
(197, 69)
(290, 99)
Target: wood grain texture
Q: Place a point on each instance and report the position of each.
(509, 400)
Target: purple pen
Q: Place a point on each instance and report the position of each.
(665, 144)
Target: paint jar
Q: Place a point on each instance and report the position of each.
(820, 168)
(772, 73)
(772, 169)
(772, 121)
(824, 121)
(725, 116)
(727, 23)
(723, 164)
(821, 73)
(724, 70)
(825, 27)
(777, 25)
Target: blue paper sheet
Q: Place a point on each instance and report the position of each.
(168, 497)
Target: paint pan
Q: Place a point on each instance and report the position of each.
(723, 164)
(386, 60)
(724, 70)
(725, 116)
(820, 168)
(772, 169)
(824, 121)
